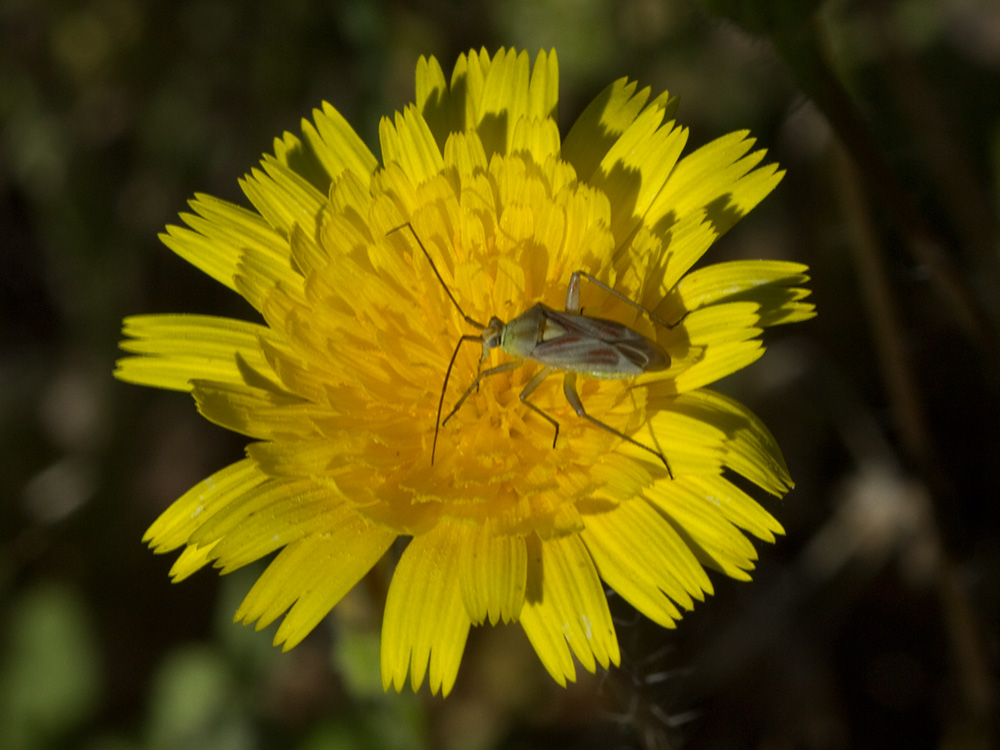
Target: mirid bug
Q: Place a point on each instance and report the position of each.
(565, 341)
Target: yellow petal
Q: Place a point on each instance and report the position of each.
(719, 360)
(189, 562)
(717, 176)
(283, 197)
(431, 92)
(722, 323)
(566, 609)
(737, 507)
(539, 138)
(176, 524)
(543, 94)
(645, 560)
(176, 349)
(474, 96)
(465, 152)
(262, 503)
(504, 100)
(409, 143)
(493, 575)
(259, 275)
(690, 444)
(336, 145)
(750, 448)
(312, 574)
(773, 285)
(638, 164)
(715, 540)
(724, 338)
(601, 124)
(293, 458)
(467, 79)
(257, 412)
(425, 620)
(220, 234)
(272, 528)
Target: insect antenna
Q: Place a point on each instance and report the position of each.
(466, 337)
(437, 273)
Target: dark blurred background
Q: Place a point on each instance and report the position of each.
(873, 623)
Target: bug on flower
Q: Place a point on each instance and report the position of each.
(564, 341)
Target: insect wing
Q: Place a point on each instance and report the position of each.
(597, 347)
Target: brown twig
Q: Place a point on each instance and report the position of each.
(802, 51)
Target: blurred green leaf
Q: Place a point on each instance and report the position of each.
(194, 704)
(356, 655)
(50, 680)
(764, 17)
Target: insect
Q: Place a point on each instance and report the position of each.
(565, 341)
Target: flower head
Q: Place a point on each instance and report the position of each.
(368, 273)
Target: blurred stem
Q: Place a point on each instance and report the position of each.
(887, 329)
(863, 168)
(802, 49)
(952, 174)
(965, 634)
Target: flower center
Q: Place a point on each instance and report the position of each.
(492, 242)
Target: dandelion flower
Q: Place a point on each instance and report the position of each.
(358, 268)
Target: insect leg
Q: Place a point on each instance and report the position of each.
(573, 297)
(444, 387)
(573, 293)
(529, 389)
(505, 367)
(569, 389)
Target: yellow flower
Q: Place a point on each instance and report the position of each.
(340, 385)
